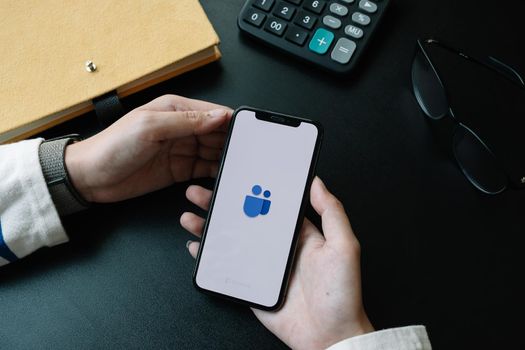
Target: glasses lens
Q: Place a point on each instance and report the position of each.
(477, 162)
(428, 89)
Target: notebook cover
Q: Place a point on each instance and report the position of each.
(45, 44)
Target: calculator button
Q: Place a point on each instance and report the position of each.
(339, 9)
(305, 19)
(295, 2)
(296, 35)
(316, 6)
(284, 11)
(353, 31)
(321, 41)
(368, 6)
(343, 50)
(275, 26)
(264, 5)
(363, 20)
(348, 1)
(254, 17)
(332, 22)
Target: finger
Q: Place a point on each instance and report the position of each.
(336, 226)
(193, 248)
(171, 103)
(226, 126)
(209, 153)
(160, 126)
(205, 168)
(214, 139)
(187, 146)
(192, 223)
(310, 235)
(199, 196)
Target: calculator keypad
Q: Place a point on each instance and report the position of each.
(254, 17)
(321, 41)
(264, 5)
(368, 6)
(275, 26)
(332, 22)
(284, 10)
(297, 35)
(305, 19)
(331, 33)
(315, 6)
(361, 19)
(339, 9)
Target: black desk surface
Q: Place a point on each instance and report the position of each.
(435, 251)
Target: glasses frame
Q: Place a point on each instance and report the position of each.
(452, 124)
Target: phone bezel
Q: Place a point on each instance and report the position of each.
(279, 118)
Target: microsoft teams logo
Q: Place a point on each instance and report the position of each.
(255, 206)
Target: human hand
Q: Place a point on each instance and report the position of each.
(170, 139)
(324, 304)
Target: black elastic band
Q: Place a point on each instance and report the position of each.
(108, 108)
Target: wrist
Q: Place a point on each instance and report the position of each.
(74, 163)
(357, 328)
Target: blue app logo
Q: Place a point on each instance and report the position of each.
(255, 206)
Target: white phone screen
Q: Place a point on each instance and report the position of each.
(258, 200)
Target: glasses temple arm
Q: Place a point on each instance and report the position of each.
(491, 63)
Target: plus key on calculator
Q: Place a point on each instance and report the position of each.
(332, 34)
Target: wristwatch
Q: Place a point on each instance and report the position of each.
(51, 153)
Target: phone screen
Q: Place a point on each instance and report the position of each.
(257, 203)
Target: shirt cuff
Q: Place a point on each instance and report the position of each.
(29, 219)
(404, 338)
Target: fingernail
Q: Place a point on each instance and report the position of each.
(188, 244)
(217, 113)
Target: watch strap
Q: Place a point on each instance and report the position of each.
(65, 197)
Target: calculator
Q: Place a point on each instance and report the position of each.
(331, 34)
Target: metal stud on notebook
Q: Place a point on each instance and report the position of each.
(90, 66)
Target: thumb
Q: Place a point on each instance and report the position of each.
(171, 125)
(336, 226)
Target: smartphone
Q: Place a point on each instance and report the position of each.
(256, 211)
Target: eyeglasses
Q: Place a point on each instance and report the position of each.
(474, 157)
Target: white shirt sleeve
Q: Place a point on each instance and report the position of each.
(404, 338)
(28, 218)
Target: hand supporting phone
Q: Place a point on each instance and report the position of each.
(257, 207)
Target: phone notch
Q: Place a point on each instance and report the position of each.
(278, 119)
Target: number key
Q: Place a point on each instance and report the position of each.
(284, 11)
(254, 17)
(275, 26)
(305, 19)
(264, 5)
(316, 6)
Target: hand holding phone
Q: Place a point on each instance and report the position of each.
(323, 304)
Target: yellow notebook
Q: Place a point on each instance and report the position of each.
(44, 46)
